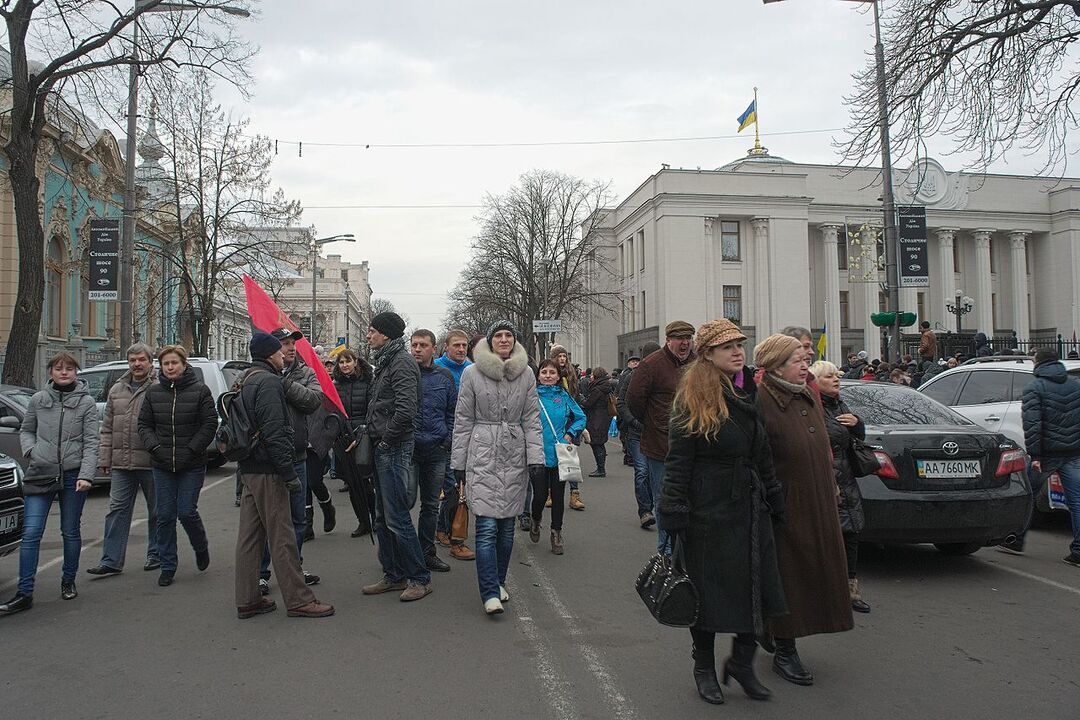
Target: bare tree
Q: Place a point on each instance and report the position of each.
(538, 253)
(84, 47)
(989, 76)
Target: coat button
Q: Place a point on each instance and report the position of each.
(802, 412)
(813, 429)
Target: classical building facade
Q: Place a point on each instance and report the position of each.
(768, 243)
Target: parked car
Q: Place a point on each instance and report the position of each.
(13, 403)
(11, 504)
(943, 479)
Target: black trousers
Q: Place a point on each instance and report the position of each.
(541, 487)
(600, 455)
(851, 549)
(361, 494)
(705, 645)
(316, 468)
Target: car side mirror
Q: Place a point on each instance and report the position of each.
(10, 421)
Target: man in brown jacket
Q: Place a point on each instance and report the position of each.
(649, 397)
(121, 455)
(927, 342)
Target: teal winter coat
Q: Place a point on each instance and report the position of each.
(565, 414)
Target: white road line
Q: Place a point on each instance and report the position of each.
(94, 543)
(617, 700)
(1036, 578)
(558, 690)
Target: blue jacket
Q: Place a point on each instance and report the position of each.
(565, 414)
(434, 423)
(1051, 412)
(455, 368)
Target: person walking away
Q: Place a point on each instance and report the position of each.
(395, 400)
(352, 378)
(1050, 409)
(718, 494)
(121, 456)
(810, 548)
(649, 397)
(631, 430)
(455, 358)
(844, 427)
(570, 381)
(433, 431)
(599, 419)
(498, 449)
(561, 419)
(268, 476)
(59, 439)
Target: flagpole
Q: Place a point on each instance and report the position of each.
(757, 125)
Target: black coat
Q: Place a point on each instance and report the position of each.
(718, 493)
(177, 421)
(263, 396)
(597, 417)
(394, 398)
(1051, 415)
(849, 503)
(353, 391)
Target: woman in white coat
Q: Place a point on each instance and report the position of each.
(497, 446)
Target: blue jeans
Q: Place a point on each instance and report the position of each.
(494, 544)
(642, 489)
(125, 486)
(656, 478)
(177, 495)
(399, 545)
(429, 471)
(1070, 480)
(298, 511)
(35, 513)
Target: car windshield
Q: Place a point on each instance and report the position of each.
(884, 404)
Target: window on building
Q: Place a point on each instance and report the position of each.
(1031, 314)
(1027, 258)
(841, 249)
(641, 248)
(733, 303)
(920, 301)
(632, 312)
(345, 275)
(54, 286)
(845, 311)
(956, 254)
(630, 255)
(644, 322)
(729, 240)
(320, 273)
(993, 263)
(993, 314)
(622, 259)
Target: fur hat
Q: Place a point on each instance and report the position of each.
(773, 351)
(679, 328)
(263, 345)
(389, 324)
(557, 350)
(718, 332)
(501, 325)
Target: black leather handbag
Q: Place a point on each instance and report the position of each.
(863, 460)
(666, 589)
(364, 454)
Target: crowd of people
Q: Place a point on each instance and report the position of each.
(745, 470)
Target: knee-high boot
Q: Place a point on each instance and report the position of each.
(740, 666)
(705, 667)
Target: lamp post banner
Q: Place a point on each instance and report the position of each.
(104, 260)
(914, 252)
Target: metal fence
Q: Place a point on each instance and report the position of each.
(951, 343)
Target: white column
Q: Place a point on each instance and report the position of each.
(1018, 250)
(829, 234)
(712, 269)
(871, 334)
(946, 237)
(762, 315)
(984, 297)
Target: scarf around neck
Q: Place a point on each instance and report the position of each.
(387, 351)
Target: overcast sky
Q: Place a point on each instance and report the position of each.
(478, 71)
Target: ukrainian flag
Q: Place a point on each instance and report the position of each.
(822, 343)
(749, 117)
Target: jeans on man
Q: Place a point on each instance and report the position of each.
(177, 495)
(429, 471)
(656, 478)
(122, 492)
(35, 513)
(642, 488)
(1070, 481)
(399, 546)
(299, 519)
(494, 544)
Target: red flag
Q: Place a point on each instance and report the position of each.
(268, 317)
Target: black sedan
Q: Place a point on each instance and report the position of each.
(11, 505)
(943, 479)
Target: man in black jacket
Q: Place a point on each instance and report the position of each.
(267, 476)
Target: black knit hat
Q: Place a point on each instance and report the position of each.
(389, 324)
(501, 325)
(1046, 355)
(263, 345)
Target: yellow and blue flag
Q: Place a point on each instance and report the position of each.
(822, 343)
(749, 117)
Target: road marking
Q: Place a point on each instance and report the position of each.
(559, 691)
(1036, 578)
(94, 543)
(617, 700)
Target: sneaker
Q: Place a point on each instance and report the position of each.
(461, 551)
(68, 590)
(493, 606)
(443, 539)
(313, 609)
(1071, 559)
(311, 578)
(415, 591)
(598, 474)
(264, 587)
(1012, 548)
(647, 520)
(436, 563)
(152, 563)
(383, 586)
(503, 595)
(264, 605)
(103, 570)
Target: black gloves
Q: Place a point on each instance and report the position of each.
(293, 485)
(459, 476)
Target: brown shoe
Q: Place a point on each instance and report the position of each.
(556, 542)
(415, 591)
(313, 609)
(575, 500)
(443, 539)
(264, 605)
(383, 586)
(461, 551)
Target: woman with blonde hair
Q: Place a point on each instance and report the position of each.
(718, 492)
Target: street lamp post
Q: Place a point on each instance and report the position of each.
(960, 307)
(127, 243)
(316, 243)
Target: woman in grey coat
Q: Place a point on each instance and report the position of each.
(59, 437)
(497, 447)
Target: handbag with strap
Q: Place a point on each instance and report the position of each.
(666, 590)
(459, 525)
(566, 455)
(863, 460)
(364, 454)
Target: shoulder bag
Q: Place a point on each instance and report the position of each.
(459, 524)
(666, 590)
(863, 460)
(566, 455)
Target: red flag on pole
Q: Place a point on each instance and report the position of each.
(268, 317)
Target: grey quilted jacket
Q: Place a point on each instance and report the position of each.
(59, 432)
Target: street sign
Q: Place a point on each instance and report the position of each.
(547, 326)
(104, 267)
(914, 254)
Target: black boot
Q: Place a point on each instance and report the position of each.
(705, 669)
(741, 667)
(17, 604)
(309, 533)
(329, 515)
(788, 664)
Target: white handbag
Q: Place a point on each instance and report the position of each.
(566, 455)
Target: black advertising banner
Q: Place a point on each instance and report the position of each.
(914, 255)
(104, 260)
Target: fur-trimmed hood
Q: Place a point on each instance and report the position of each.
(495, 367)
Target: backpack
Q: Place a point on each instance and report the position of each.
(236, 437)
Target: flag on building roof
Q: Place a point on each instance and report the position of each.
(749, 117)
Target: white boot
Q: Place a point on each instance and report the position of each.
(493, 606)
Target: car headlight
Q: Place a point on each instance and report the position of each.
(19, 474)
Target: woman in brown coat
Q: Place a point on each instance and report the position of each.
(810, 549)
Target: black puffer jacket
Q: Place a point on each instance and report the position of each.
(395, 395)
(1051, 413)
(354, 391)
(852, 519)
(264, 397)
(177, 421)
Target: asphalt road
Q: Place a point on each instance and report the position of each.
(986, 636)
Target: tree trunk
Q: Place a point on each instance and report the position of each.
(30, 298)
